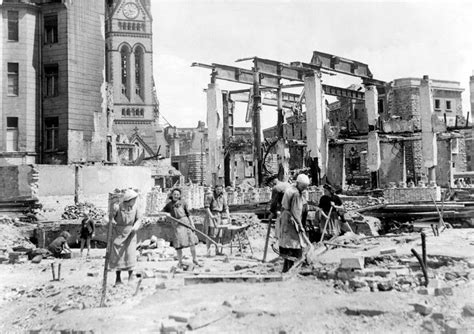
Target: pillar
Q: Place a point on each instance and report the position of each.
(257, 131)
(373, 141)
(215, 161)
(281, 149)
(317, 144)
(428, 136)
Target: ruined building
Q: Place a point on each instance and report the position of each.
(77, 82)
(52, 103)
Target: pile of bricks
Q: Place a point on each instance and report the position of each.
(413, 194)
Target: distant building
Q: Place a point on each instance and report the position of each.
(189, 154)
(77, 82)
(53, 94)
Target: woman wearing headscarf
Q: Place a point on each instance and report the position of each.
(126, 220)
(183, 237)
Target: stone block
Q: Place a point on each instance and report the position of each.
(362, 311)
(401, 272)
(468, 310)
(357, 283)
(451, 327)
(438, 317)
(382, 272)
(385, 285)
(352, 263)
(182, 316)
(161, 285)
(446, 291)
(169, 326)
(426, 291)
(93, 274)
(388, 251)
(37, 259)
(435, 284)
(423, 309)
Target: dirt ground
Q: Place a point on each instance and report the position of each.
(318, 300)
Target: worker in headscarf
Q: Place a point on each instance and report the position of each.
(183, 237)
(278, 190)
(335, 222)
(291, 241)
(126, 220)
(217, 214)
(59, 247)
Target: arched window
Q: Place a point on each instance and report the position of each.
(125, 67)
(139, 77)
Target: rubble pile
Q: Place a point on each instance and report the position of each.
(80, 210)
(13, 234)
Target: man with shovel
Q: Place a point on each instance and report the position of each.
(292, 234)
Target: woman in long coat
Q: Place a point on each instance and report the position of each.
(124, 246)
(183, 237)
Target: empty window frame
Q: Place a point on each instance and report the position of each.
(51, 74)
(12, 74)
(50, 29)
(13, 25)
(139, 71)
(125, 67)
(448, 105)
(12, 134)
(51, 133)
(437, 104)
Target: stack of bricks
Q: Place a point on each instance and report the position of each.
(155, 201)
(412, 194)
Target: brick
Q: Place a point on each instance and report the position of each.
(352, 263)
(401, 272)
(182, 316)
(169, 326)
(357, 283)
(438, 317)
(451, 327)
(468, 310)
(435, 284)
(93, 274)
(382, 272)
(388, 251)
(361, 311)
(425, 291)
(423, 309)
(446, 291)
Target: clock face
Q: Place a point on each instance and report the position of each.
(130, 10)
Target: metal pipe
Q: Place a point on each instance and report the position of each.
(423, 248)
(423, 268)
(52, 270)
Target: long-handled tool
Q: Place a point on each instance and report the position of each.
(267, 239)
(205, 236)
(310, 251)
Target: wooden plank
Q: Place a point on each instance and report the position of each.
(207, 279)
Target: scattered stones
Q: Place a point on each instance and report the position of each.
(451, 327)
(423, 309)
(438, 317)
(382, 272)
(429, 325)
(357, 283)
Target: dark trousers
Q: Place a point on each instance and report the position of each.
(290, 252)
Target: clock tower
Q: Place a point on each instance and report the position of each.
(129, 71)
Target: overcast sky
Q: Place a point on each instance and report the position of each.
(397, 39)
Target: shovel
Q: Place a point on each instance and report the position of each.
(310, 252)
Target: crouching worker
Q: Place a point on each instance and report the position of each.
(291, 225)
(126, 222)
(183, 236)
(59, 248)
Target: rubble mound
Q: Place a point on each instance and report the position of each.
(80, 210)
(13, 234)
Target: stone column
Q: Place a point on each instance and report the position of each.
(373, 141)
(428, 136)
(317, 145)
(215, 158)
